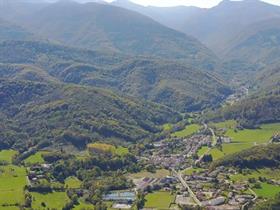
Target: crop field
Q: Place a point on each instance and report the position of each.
(159, 200)
(189, 130)
(7, 155)
(36, 158)
(12, 182)
(72, 183)
(202, 150)
(55, 200)
(190, 171)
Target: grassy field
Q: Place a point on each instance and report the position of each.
(159, 200)
(202, 150)
(83, 206)
(266, 172)
(159, 174)
(189, 130)
(190, 171)
(267, 190)
(55, 200)
(243, 139)
(121, 151)
(12, 182)
(167, 127)
(72, 183)
(36, 158)
(7, 155)
(230, 124)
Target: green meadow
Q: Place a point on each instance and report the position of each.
(189, 130)
(243, 139)
(36, 158)
(12, 182)
(267, 190)
(7, 155)
(159, 200)
(265, 172)
(54, 200)
(72, 183)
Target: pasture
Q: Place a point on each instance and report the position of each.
(159, 200)
(54, 200)
(12, 182)
(244, 139)
(7, 155)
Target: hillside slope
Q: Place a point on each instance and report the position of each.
(37, 112)
(178, 86)
(100, 26)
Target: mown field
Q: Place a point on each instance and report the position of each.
(159, 200)
(12, 182)
(54, 200)
(243, 139)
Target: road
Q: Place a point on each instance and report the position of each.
(184, 183)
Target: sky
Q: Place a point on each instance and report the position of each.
(198, 3)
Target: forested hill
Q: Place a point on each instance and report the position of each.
(182, 87)
(49, 113)
(100, 26)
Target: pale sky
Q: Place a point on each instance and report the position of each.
(198, 3)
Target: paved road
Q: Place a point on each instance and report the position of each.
(184, 183)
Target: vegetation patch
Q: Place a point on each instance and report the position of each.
(7, 155)
(72, 183)
(36, 158)
(189, 130)
(267, 190)
(12, 183)
(159, 200)
(54, 200)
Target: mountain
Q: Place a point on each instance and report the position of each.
(101, 26)
(218, 26)
(259, 45)
(53, 113)
(172, 17)
(182, 87)
(9, 31)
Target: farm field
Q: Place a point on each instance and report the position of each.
(159, 200)
(55, 200)
(202, 150)
(189, 130)
(159, 174)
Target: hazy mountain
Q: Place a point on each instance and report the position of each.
(173, 17)
(179, 86)
(218, 26)
(99, 26)
(10, 31)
